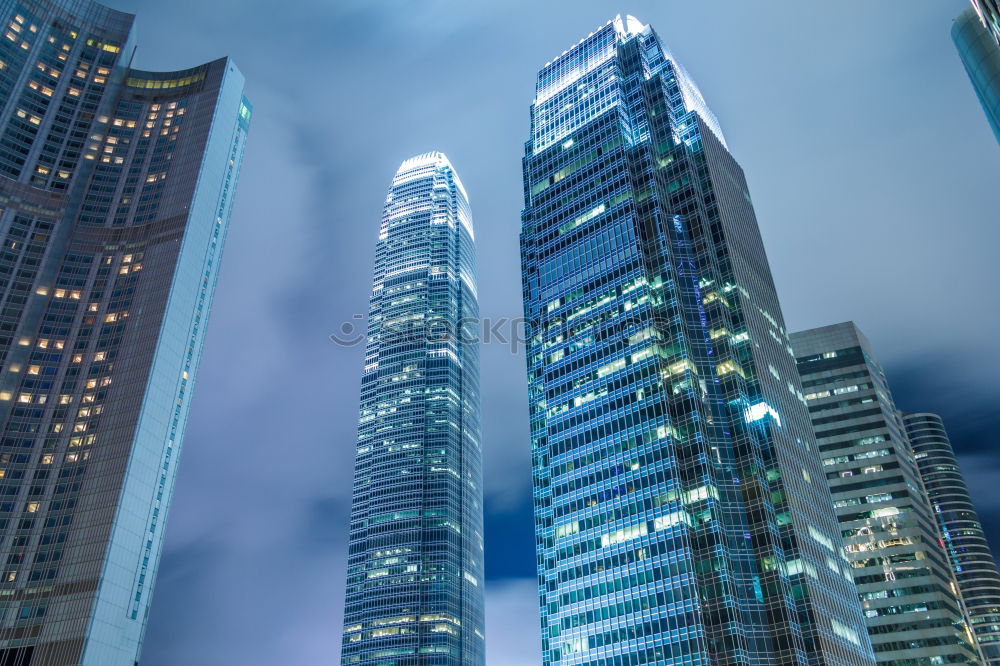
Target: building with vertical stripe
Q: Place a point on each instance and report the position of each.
(116, 188)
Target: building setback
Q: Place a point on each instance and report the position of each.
(415, 563)
(680, 509)
(912, 604)
(116, 187)
(960, 529)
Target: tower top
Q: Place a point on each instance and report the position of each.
(433, 158)
(628, 26)
(417, 166)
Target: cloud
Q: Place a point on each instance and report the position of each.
(943, 382)
(869, 208)
(513, 636)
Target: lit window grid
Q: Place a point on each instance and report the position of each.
(535, 312)
(419, 413)
(74, 375)
(964, 538)
(868, 463)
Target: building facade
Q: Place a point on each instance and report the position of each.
(989, 12)
(962, 533)
(914, 610)
(975, 33)
(116, 187)
(415, 563)
(680, 510)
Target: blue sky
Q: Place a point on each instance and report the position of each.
(872, 170)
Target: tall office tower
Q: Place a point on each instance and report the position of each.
(979, 50)
(989, 10)
(415, 564)
(680, 510)
(116, 187)
(963, 535)
(915, 614)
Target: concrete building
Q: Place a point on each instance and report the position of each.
(911, 601)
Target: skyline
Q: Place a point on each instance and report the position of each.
(247, 293)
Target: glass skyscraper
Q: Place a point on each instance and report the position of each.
(989, 10)
(680, 508)
(962, 533)
(116, 187)
(976, 33)
(912, 604)
(415, 563)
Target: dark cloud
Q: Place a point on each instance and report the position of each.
(872, 169)
(323, 527)
(511, 550)
(969, 405)
(981, 472)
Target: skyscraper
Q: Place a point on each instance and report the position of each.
(913, 608)
(989, 10)
(976, 38)
(964, 539)
(116, 187)
(680, 510)
(415, 564)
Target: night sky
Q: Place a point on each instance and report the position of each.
(873, 172)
